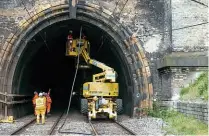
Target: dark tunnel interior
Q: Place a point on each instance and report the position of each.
(43, 64)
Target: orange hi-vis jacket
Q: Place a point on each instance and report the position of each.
(40, 103)
(48, 99)
(34, 99)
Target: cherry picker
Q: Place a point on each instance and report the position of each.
(100, 95)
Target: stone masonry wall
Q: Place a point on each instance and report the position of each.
(145, 18)
(189, 13)
(150, 20)
(183, 77)
(197, 110)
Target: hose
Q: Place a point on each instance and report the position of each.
(59, 130)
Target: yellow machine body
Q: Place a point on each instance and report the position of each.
(100, 89)
(72, 47)
(9, 119)
(103, 91)
(110, 108)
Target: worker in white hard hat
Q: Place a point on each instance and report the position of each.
(40, 108)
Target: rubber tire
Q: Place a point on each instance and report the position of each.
(119, 103)
(84, 106)
(89, 118)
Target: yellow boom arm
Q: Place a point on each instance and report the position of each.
(108, 73)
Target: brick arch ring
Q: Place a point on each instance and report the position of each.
(128, 46)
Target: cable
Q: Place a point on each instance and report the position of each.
(200, 3)
(71, 92)
(123, 7)
(175, 29)
(115, 7)
(102, 41)
(33, 23)
(99, 3)
(190, 26)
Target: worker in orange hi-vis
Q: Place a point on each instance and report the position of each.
(34, 101)
(48, 102)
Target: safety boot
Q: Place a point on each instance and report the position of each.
(37, 121)
(43, 120)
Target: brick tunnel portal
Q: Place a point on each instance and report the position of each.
(34, 58)
(43, 63)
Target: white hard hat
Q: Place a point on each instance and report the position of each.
(40, 94)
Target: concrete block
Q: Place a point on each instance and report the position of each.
(205, 106)
(197, 105)
(198, 109)
(199, 113)
(200, 117)
(194, 112)
(178, 104)
(205, 122)
(189, 108)
(187, 111)
(191, 105)
(206, 118)
(190, 112)
(205, 110)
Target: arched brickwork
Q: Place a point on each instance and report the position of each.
(127, 45)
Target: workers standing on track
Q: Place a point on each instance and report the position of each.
(40, 108)
(48, 102)
(34, 101)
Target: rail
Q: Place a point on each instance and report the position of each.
(55, 124)
(32, 121)
(116, 122)
(19, 130)
(93, 129)
(124, 127)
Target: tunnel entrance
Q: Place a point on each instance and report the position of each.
(47, 66)
(33, 59)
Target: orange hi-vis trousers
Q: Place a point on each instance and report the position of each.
(48, 103)
(48, 107)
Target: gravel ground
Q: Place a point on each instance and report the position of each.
(75, 122)
(108, 128)
(35, 129)
(7, 128)
(78, 123)
(144, 126)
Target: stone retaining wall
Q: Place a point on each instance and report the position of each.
(197, 110)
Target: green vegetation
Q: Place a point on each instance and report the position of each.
(179, 124)
(197, 90)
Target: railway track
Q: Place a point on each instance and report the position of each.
(32, 128)
(76, 124)
(118, 128)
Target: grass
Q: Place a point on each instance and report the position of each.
(197, 90)
(179, 124)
